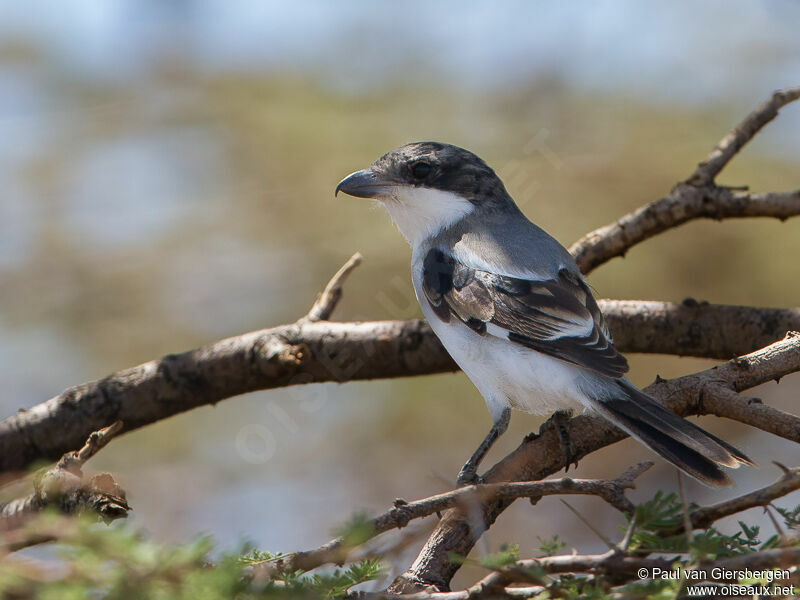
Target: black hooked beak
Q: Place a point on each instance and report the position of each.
(363, 184)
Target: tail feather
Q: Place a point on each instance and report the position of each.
(687, 446)
(695, 437)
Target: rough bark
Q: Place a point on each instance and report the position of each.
(304, 352)
(694, 328)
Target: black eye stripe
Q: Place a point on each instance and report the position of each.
(420, 170)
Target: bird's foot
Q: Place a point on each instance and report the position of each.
(468, 475)
(559, 421)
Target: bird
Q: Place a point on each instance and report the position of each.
(510, 305)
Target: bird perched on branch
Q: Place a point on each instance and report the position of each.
(511, 307)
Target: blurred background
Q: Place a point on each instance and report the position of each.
(168, 171)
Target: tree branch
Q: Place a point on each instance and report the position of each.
(685, 202)
(721, 155)
(300, 353)
(326, 302)
(696, 198)
(314, 352)
(621, 564)
(694, 328)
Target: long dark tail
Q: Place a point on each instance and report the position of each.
(690, 448)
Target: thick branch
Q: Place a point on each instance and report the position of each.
(312, 352)
(695, 328)
(540, 456)
(723, 402)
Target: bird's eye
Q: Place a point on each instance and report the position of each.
(420, 170)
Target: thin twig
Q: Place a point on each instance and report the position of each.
(73, 461)
(609, 544)
(326, 302)
(730, 145)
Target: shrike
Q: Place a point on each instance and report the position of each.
(511, 306)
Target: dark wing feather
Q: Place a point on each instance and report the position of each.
(558, 317)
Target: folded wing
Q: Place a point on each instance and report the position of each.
(558, 316)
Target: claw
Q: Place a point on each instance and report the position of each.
(559, 421)
(468, 477)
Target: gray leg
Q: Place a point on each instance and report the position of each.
(469, 472)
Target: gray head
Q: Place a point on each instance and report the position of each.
(427, 186)
(432, 165)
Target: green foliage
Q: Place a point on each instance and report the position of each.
(711, 544)
(550, 547)
(116, 563)
(654, 519)
(254, 557)
(508, 555)
(337, 584)
(356, 531)
(661, 512)
(790, 516)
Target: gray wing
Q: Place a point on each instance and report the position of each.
(558, 317)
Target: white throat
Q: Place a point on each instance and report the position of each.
(420, 212)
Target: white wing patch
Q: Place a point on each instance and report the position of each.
(580, 329)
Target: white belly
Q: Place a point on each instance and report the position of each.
(505, 373)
